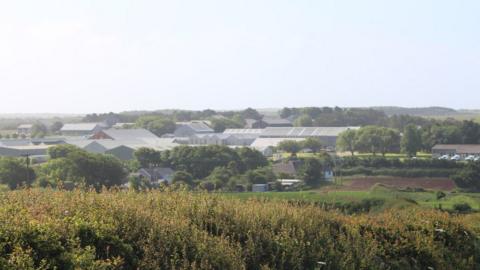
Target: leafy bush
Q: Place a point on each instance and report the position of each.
(46, 229)
(462, 207)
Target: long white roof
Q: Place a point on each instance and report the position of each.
(303, 132)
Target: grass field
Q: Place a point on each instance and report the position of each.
(391, 197)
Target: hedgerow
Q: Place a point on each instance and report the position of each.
(48, 229)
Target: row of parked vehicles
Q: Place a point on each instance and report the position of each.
(458, 158)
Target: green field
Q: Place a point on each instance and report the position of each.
(392, 198)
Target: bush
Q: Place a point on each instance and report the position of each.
(440, 195)
(46, 229)
(418, 172)
(462, 207)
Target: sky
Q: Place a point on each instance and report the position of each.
(70, 56)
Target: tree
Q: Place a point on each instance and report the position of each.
(369, 139)
(56, 126)
(251, 158)
(347, 141)
(62, 151)
(260, 176)
(389, 140)
(182, 177)
(139, 183)
(14, 173)
(200, 161)
(147, 157)
(39, 130)
(411, 141)
(71, 164)
(286, 112)
(158, 125)
(313, 144)
(220, 124)
(303, 121)
(469, 177)
(470, 132)
(220, 177)
(250, 113)
(311, 171)
(290, 146)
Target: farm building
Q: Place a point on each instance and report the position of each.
(141, 135)
(122, 149)
(25, 129)
(187, 129)
(157, 175)
(24, 150)
(463, 150)
(266, 145)
(259, 187)
(328, 135)
(81, 129)
(286, 168)
(267, 122)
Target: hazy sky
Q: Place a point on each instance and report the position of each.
(114, 55)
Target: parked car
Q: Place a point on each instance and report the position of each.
(476, 158)
(470, 158)
(455, 157)
(444, 157)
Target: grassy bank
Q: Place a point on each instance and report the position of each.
(44, 229)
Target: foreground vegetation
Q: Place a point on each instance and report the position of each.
(47, 229)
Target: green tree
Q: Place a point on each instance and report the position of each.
(147, 157)
(62, 151)
(303, 121)
(286, 112)
(260, 176)
(290, 146)
(251, 158)
(39, 130)
(469, 177)
(312, 171)
(182, 177)
(220, 124)
(158, 125)
(347, 141)
(56, 126)
(411, 141)
(250, 113)
(389, 140)
(71, 164)
(201, 160)
(314, 144)
(369, 139)
(220, 177)
(470, 132)
(14, 172)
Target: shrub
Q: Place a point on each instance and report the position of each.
(46, 229)
(462, 207)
